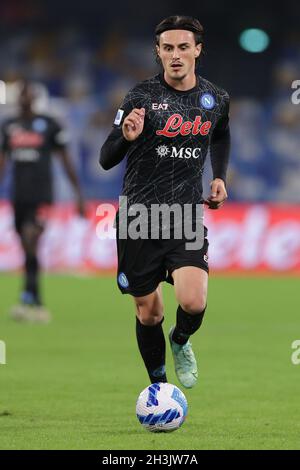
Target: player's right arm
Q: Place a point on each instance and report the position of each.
(128, 125)
(118, 142)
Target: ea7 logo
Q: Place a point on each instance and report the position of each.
(158, 106)
(2, 353)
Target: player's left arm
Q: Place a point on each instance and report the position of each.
(59, 143)
(219, 155)
(66, 161)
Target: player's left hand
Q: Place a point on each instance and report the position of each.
(218, 194)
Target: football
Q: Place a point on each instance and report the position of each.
(161, 407)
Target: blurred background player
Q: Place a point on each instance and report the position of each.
(28, 140)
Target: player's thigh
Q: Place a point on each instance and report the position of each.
(191, 284)
(149, 308)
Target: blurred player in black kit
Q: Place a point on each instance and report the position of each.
(28, 140)
(165, 126)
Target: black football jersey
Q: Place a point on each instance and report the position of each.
(165, 163)
(29, 143)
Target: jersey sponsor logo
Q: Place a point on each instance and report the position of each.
(183, 152)
(159, 106)
(175, 125)
(25, 155)
(207, 101)
(22, 138)
(118, 117)
(162, 150)
(123, 281)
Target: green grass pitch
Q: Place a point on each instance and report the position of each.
(73, 384)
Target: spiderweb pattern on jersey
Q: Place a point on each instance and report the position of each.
(151, 178)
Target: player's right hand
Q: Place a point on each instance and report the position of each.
(133, 124)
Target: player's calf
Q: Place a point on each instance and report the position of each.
(150, 335)
(184, 359)
(186, 324)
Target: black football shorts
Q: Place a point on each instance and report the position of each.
(143, 264)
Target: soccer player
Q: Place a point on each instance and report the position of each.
(165, 126)
(28, 140)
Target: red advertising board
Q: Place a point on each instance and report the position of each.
(249, 238)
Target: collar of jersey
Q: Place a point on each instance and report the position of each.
(179, 92)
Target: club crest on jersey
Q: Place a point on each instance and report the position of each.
(207, 101)
(118, 117)
(39, 125)
(175, 125)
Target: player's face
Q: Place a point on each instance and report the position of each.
(178, 52)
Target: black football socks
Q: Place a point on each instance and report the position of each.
(31, 277)
(152, 346)
(186, 325)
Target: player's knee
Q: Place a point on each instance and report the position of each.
(149, 309)
(149, 315)
(193, 305)
(150, 319)
(30, 234)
